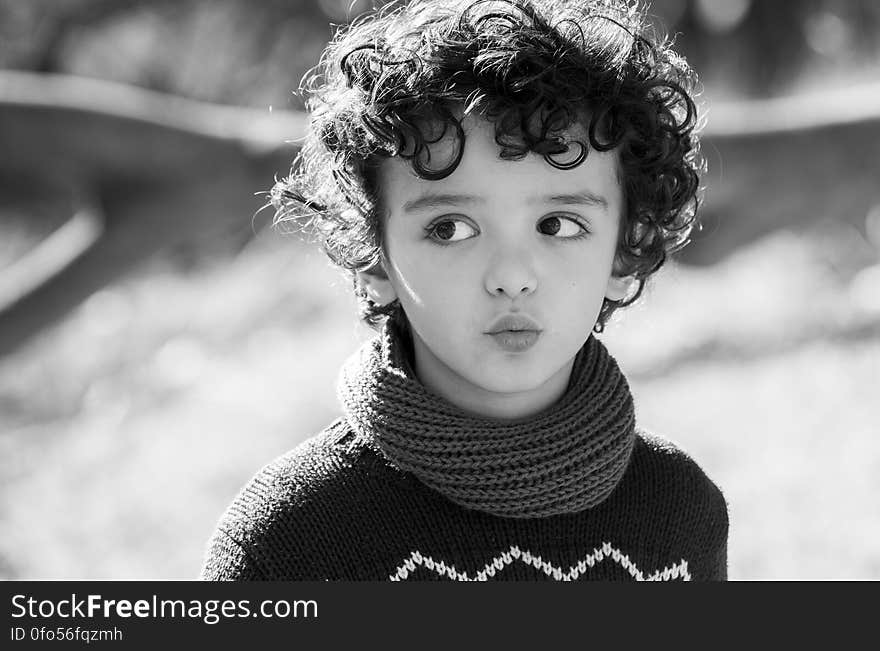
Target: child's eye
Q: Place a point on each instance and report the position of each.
(450, 230)
(559, 226)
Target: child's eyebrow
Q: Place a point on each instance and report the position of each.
(434, 200)
(585, 198)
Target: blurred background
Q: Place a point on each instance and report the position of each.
(159, 342)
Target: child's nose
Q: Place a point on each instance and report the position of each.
(511, 273)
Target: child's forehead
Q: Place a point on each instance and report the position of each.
(483, 171)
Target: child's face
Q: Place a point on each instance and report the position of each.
(500, 238)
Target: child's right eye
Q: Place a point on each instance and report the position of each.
(450, 230)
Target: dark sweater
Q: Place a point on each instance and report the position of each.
(335, 509)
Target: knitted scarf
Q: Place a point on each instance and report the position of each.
(567, 458)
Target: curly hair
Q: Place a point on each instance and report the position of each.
(390, 81)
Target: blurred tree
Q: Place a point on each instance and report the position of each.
(765, 48)
(793, 164)
(156, 173)
(227, 51)
(254, 54)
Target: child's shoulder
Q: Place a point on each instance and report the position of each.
(303, 474)
(665, 469)
(290, 503)
(666, 491)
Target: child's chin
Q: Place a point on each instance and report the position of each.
(518, 384)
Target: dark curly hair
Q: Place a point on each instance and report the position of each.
(396, 81)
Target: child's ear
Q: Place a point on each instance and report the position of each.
(619, 287)
(377, 285)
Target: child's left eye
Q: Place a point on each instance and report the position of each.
(559, 226)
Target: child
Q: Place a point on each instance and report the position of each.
(497, 178)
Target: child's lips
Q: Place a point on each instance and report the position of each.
(514, 332)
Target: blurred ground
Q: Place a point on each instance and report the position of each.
(165, 392)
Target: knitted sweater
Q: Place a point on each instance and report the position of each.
(336, 509)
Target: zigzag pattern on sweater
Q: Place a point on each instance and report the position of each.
(505, 559)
